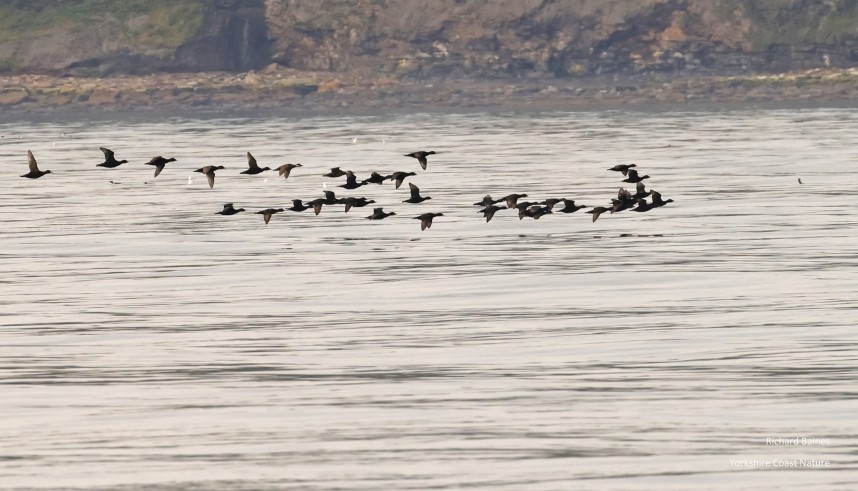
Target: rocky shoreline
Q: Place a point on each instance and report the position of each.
(279, 89)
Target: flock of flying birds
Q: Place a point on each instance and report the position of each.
(625, 200)
(532, 209)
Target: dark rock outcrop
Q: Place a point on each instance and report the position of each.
(79, 36)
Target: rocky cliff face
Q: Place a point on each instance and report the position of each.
(132, 36)
(562, 38)
(429, 39)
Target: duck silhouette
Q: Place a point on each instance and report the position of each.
(570, 206)
(298, 205)
(268, 213)
(209, 172)
(335, 172)
(252, 167)
(415, 195)
(229, 209)
(426, 219)
(379, 214)
(398, 177)
(159, 162)
(597, 211)
(657, 201)
(376, 178)
(624, 168)
(34, 173)
(421, 157)
(634, 177)
(356, 202)
(490, 211)
(285, 169)
(110, 159)
(351, 181)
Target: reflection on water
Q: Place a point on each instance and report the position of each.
(148, 343)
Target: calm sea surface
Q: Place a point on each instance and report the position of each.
(148, 343)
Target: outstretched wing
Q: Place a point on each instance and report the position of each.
(251, 162)
(34, 167)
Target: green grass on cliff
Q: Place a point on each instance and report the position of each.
(798, 22)
(149, 24)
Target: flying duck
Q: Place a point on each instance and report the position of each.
(597, 211)
(228, 209)
(285, 169)
(657, 202)
(537, 211)
(159, 162)
(252, 167)
(512, 199)
(415, 195)
(356, 202)
(268, 212)
(426, 219)
(209, 172)
(109, 159)
(398, 177)
(316, 204)
(570, 206)
(335, 172)
(624, 168)
(490, 211)
(643, 206)
(421, 157)
(379, 214)
(633, 177)
(486, 201)
(34, 173)
(351, 181)
(376, 178)
(298, 205)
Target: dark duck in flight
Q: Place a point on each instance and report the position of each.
(34, 173)
(209, 172)
(379, 214)
(426, 219)
(356, 202)
(110, 159)
(376, 178)
(298, 205)
(634, 177)
(285, 169)
(421, 157)
(252, 167)
(490, 211)
(268, 213)
(415, 195)
(335, 172)
(597, 211)
(351, 181)
(398, 177)
(229, 209)
(159, 162)
(624, 168)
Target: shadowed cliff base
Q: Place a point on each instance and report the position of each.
(278, 89)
